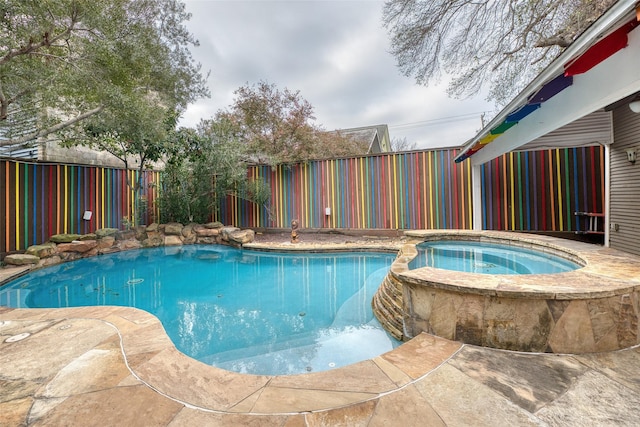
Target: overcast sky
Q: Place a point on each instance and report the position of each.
(336, 54)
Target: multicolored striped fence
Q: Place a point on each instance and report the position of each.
(528, 191)
(392, 191)
(40, 200)
(525, 191)
(542, 190)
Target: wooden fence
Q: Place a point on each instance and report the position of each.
(395, 191)
(525, 191)
(40, 200)
(542, 190)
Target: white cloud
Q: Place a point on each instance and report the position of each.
(335, 53)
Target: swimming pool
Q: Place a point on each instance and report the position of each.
(246, 311)
(488, 258)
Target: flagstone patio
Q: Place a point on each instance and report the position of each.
(116, 366)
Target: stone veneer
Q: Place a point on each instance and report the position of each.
(592, 309)
(69, 247)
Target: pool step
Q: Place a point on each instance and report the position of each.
(323, 353)
(387, 306)
(357, 309)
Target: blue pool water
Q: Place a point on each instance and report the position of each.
(488, 258)
(245, 311)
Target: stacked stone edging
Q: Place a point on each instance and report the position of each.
(387, 307)
(69, 247)
(592, 309)
(387, 303)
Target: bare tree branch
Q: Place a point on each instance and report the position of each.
(32, 46)
(478, 43)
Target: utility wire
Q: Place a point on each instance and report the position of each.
(438, 121)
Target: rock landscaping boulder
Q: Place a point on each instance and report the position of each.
(21, 259)
(104, 232)
(52, 260)
(173, 229)
(110, 250)
(225, 232)
(206, 240)
(68, 246)
(126, 235)
(242, 236)
(172, 240)
(188, 231)
(141, 232)
(206, 232)
(70, 256)
(64, 238)
(105, 242)
(42, 251)
(153, 241)
(78, 246)
(126, 245)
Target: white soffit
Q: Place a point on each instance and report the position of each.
(592, 129)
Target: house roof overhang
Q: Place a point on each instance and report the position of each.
(570, 108)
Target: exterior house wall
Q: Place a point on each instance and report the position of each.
(51, 151)
(625, 182)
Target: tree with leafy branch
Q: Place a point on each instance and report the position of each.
(502, 44)
(278, 127)
(205, 166)
(110, 74)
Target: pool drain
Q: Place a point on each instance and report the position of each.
(18, 337)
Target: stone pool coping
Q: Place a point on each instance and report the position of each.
(152, 359)
(605, 272)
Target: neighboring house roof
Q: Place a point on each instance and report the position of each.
(377, 137)
(566, 105)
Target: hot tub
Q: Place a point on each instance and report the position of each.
(590, 309)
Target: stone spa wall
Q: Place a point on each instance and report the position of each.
(594, 308)
(69, 247)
